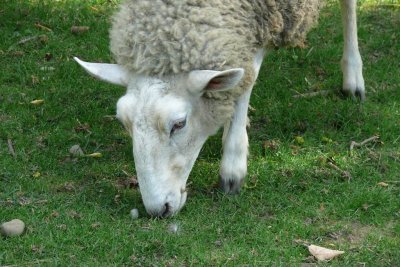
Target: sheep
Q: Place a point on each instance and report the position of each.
(189, 67)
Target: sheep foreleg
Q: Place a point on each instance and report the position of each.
(234, 159)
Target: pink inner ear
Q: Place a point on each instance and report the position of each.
(216, 83)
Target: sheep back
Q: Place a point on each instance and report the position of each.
(162, 37)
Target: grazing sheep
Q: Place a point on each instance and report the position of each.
(189, 67)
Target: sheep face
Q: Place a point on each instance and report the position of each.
(169, 121)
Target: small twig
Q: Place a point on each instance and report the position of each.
(312, 94)
(345, 174)
(40, 26)
(355, 144)
(28, 39)
(11, 148)
(127, 173)
(42, 38)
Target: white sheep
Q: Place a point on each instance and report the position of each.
(189, 67)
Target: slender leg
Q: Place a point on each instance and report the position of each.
(235, 141)
(234, 159)
(353, 81)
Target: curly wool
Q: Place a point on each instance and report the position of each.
(162, 37)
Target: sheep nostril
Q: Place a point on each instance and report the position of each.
(166, 210)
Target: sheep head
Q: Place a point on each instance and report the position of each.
(169, 121)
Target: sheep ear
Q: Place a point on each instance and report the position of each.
(200, 81)
(111, 73)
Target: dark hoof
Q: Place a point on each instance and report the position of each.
(231, 187)
(357, 95)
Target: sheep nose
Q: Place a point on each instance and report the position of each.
(165, 211)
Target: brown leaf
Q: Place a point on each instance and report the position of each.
(37, 249)
(320, 71)
(48, 56)
(74, 214)
(321, 207)
(82, 128)
(131, 182)
(17, 53)
(55, 214)
(95, 225)
(35, 80)
(66, 187)
(365, 206)
(44, 39)
(79, 29)
(272, 145)
(23, 201)
(383, 184)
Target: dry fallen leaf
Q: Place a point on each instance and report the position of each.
(299, 140)
(17, 53)
(95, 225)
(55, 214)
(322, 254)
(95, 155)
(37, 102)
(44, 39)
(75, 215)
(35, 79)
(383, 184)
(365, 206)
(79, 29)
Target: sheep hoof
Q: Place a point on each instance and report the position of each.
(358, 93)
(353, 80)
(231, 186)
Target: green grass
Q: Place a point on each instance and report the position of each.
(77, 211)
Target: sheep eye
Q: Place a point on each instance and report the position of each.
(178, 125)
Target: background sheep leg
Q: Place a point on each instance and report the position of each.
(353, 81)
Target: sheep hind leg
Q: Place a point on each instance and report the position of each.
(353, 81)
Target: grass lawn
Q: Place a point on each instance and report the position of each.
(77, 210)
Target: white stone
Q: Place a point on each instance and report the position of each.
(134, 214)
(76, 151)
(173, 228)
(12, 228)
